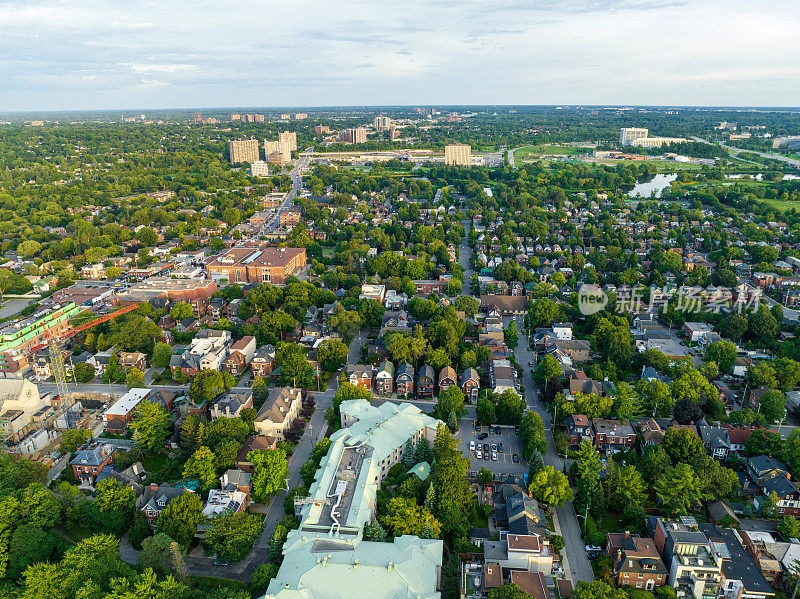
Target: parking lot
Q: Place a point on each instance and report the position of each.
(505, 435)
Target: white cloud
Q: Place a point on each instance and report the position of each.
(148, 83)
(161, 68)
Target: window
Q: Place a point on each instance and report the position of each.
(266, 276)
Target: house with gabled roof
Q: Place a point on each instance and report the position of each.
(384, 378)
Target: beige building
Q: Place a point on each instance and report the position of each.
(278, 152)
(244, 150)
(381, 123)
(354, 136)
(458, 155)
(19, 401)
(300, 116)
(290, 138)
(628, 134)
(278, 412)
(259, 168)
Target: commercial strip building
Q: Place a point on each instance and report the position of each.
(174, 289)
(327, 556)
(254, 265)
(458, 155)
(243, 150)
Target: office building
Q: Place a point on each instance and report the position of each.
(631, 136)
(289, 138)
(259, 168)
(792, 142)
(458, 155)
(327, 556)
(300, 116)
(243, 150)
(628, 134)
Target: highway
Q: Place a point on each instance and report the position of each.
(735, 151)
(288, 201)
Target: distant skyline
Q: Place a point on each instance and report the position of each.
(102, 55)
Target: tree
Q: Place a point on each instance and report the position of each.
(734, 326)
(682, 445)
(762, 374)
(134, 379)
(508, 591)
(83, 372)
(763, 442)
(405, 517)
(510, 407)
(180, 518)
(717, 481)
(693, 385)
(438, 358)
(787, 371)
(374, 531)
(485, 410)
(231, 536)
(180, 311)
(656, 396)
(484, 476)
(548, 368)
(624, 486)
(551, 487)
(269, 472)
(162, 554)
(532, 433)
(202, 466)
(687, 411)
(544, 312)
(723, 353)
(139, 530)
(598, 589)
(208, 384)
(762, 326)
(468, 305)
(678, 488)
(626, 401)
(150, 427)
(112, 508)
(450, 400)
(773, 405)
(262, 577)
(789, 528)
(162, 354)
(332, 354)
(39, 507)
(345, 322)
(612, 339)
(74, 438)
(511, 335)
(371, 312)
(29, 545)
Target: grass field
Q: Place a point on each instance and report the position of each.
(549, 150)
(782, 205)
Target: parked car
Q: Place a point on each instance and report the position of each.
(494, 446)
(515, 458)
(478, 455)
(486, 447)
(472, 445)
(482, 436)
(494, 456)
(500, 448)
(530, 363)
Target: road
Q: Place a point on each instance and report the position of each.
(576, 564)
(511, 154)
(297, 180)
(464, 253)
(735, 151)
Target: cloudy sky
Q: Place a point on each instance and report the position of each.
(127, 54)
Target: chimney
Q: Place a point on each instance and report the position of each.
(627, 534)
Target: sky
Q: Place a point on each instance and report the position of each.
(129, 54)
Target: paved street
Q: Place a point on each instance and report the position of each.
(576, 564)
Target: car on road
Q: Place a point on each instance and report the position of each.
(592, 548)
(530, 363)
(515, 458)
(482, 436)
(472, 445)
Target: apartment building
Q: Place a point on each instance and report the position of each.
(258, 265)
(289, 138)
(458, 155)
(243, 150)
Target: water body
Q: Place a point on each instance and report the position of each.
(654, 186)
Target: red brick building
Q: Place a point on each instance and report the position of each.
(258, 265)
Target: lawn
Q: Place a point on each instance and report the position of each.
(782, 204)
(76, 533)
(549, 150)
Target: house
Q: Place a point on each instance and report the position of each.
(133, 360)
(578, 429)
(740, 365)
(384, 378)
(470, 383)
(447, 378)
(278, 412)
(533, 584)
(236, 480)
(155, 498)
(360, 375)
(90, 460)
(221, 502)
(695, 330)
(576, 350)
(263, 361)
(562, 330)
(231, 404)
(580, 383)
(240, 356)
(425, 381)
(20, 403)
(741, 576)
(613, 436)
(506, 305)
(530, 553)
(715, 440)
(650, 432)
(405, 379)
(501, 376)
(637, 563)
(253, 443)
(754, 397)
(760, 468)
